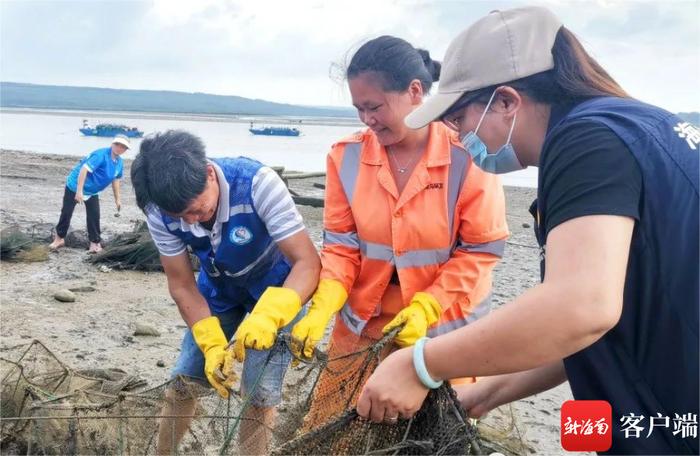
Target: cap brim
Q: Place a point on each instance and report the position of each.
(128, 146)
(434, 107)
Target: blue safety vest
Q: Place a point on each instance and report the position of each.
(648, 363)
(248, 260)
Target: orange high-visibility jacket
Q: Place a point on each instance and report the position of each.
(444, 234)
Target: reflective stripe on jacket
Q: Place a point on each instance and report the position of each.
(443, 234)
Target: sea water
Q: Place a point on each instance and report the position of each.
(56, 132)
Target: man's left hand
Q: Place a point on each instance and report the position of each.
(257, 332)
(276, 308)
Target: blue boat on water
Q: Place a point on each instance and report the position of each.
(110, 130)
(274, 131)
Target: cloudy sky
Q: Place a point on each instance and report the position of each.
(285, 51)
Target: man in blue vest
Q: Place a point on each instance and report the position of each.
(238, 218)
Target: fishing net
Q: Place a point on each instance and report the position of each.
(16, 245)
(132, 250)
(50, 408)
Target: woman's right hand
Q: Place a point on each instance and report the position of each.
(490, 392)
(79, 198)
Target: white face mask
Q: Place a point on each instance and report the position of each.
(504, 160)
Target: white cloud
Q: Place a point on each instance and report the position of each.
(178, 12)
(248, 23)
(282, 50)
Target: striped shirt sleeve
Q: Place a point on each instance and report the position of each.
(274, 205)
(166, 242)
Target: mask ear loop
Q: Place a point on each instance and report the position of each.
(512, 127)
(485, 111)
(510, 133)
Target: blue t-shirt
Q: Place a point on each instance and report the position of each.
(102, 171)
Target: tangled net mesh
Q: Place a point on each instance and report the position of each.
(18, 245)
(132, 250)
(50, 408)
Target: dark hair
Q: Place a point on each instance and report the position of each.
(396, 62)
(576, 77)
(169, 171)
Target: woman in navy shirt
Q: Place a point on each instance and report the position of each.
(616, 218)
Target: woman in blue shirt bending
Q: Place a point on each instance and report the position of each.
(89, 177)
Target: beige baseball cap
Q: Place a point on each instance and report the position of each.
(123, 140)
(500, 47)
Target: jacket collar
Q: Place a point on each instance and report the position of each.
(440, 140)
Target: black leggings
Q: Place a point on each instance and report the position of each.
(92, 211)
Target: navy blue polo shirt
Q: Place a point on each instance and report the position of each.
(647, 364)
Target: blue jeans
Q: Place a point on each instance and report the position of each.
(267, 365)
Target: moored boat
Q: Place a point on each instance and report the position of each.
(274, 131)
(110, 130)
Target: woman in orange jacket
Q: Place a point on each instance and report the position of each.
(413, 229)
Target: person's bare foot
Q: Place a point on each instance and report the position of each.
(57, 243)
(95, 247)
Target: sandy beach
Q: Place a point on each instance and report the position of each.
(97, 329)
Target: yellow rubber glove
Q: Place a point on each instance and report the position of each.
(423, 311)
(211, 340)
(276, 308)
(329, 298)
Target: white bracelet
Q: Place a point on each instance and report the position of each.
(419, 365)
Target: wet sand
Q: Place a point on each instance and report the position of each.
(96, 331)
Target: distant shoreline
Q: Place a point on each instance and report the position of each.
(230, 118)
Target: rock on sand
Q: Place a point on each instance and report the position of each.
(144, 330)
(64, 296)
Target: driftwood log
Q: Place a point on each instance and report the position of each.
(304, 175)
(298, 199)
(308, 201)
